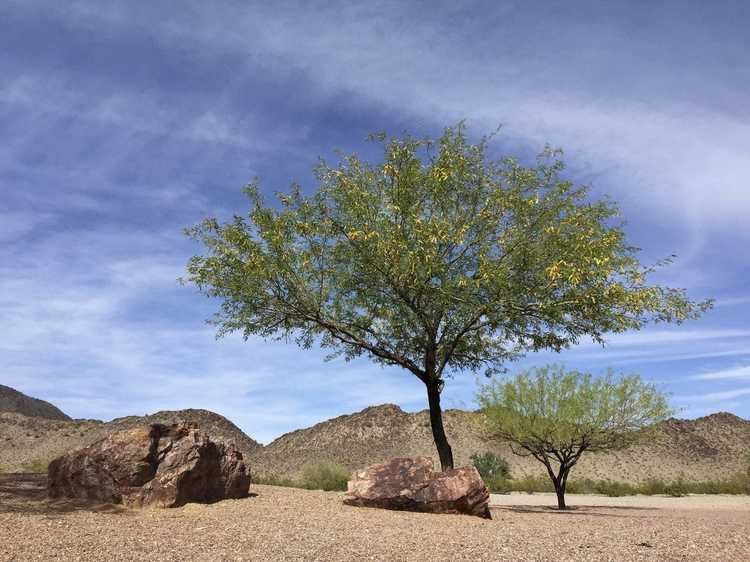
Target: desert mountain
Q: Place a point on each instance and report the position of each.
(13, 401)
(27, 444)
(706, 448)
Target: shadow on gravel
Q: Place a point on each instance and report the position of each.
(27, 493)
(581, 510)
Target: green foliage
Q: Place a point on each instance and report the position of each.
(498, 484)
(653, 487)
(556, 415)
(531, 484)
(490, 465)
(549, 412)
(437, 259)
(325, 476)
(614, 489)
(276, 480)
(677, 488)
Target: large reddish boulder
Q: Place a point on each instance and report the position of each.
(166, 466)
(411, 484)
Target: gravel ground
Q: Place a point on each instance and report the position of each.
(697, 501)
(291, 524)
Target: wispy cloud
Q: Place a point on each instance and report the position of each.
(719, 396)
(733, 373)
(661, 148)
(104, 157)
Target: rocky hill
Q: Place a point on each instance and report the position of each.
(27, 444)
(17, 402)
(706, 448)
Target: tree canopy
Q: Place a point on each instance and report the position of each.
(438, 259)
(556, 415)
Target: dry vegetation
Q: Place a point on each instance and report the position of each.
(291, 524)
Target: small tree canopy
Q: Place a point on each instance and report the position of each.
(437, 259)
(556, 415)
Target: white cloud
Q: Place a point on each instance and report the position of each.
(733, 373)
(92, 326)
(719, 396)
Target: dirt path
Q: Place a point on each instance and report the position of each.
(291, 524)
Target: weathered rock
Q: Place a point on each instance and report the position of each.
(159, 465)
(411, 484)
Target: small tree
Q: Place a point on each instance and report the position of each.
(434, 261)
(555, 416)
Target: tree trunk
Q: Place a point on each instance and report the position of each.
(436, 421)
(560, 496)
(560, 484)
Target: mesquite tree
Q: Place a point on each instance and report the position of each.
(555, 416)
(437, 259)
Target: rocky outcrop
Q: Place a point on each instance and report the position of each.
(411, 484)
(156, 465)
(17, 402)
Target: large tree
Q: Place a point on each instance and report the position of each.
(555, 416)
(437, 259)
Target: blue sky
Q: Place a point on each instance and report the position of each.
(123, 122)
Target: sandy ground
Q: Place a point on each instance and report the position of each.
(290, 524)
(701, 502)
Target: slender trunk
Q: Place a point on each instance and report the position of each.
(561, 483)
(560, 491)
(436, 421)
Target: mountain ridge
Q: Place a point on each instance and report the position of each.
(704, 448)
(12, 400)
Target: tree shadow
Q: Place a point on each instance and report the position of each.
(578, 510)
(27, 493)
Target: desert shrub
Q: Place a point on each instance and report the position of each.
(677, 488)
(743, 481)
(531, 484)
(325, 476)
(489, 465)
(498, 484)
(652, 487)
(614, 489)
(581, 486)
(276, 480)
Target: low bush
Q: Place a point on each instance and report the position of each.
(737, 485)
(275, 480)
(531, 484)
(498, 485)
(326, 476)
(615, 489)
(678, 488)
(489, 465)
(652, 487)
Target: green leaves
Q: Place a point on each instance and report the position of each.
(556, 414)
(438, 249)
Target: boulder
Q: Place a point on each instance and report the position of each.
(156, 465)
(411, 484)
